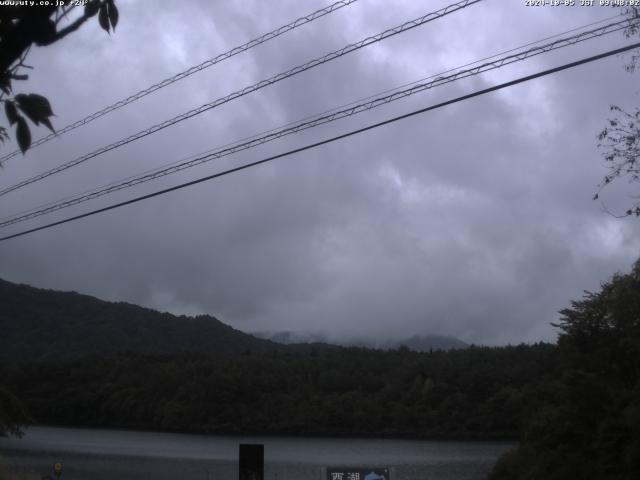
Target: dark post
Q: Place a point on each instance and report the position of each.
(251, 461)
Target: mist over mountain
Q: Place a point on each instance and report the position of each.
(418, 343)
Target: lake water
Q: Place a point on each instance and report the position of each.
(89, 454)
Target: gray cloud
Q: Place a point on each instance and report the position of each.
(475, 220)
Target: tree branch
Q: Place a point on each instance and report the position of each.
(67, 30)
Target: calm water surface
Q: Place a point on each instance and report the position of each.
(129, 455)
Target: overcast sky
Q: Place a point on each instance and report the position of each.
(475, 220)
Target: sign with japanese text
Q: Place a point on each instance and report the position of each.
(357, 473)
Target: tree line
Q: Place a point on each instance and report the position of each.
(478, 392)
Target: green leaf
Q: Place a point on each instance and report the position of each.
(103, 17)
(41, 103)
(91, 8)
(11, 112)
(35, 107)
(47, 123)
(113, 13)
(23, 135)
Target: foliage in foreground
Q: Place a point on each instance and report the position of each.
(590, 429)
(24, 25)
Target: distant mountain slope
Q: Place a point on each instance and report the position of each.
(418, 343)
(38, 324)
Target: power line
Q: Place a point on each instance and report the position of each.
(318, 120)
(257, 86)
(190, 71)
(321, 119)
(329, 140)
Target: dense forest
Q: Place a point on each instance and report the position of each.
(473, 393)
(574, 405)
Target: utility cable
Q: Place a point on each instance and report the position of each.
(353, 109)
(190, 71)
(329, 140)
(281, 76)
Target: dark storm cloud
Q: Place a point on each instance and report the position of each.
(473, 221)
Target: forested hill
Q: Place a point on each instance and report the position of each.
(38, 324)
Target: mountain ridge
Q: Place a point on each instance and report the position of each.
(40, 324)
(417, 342)
(43, 324)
